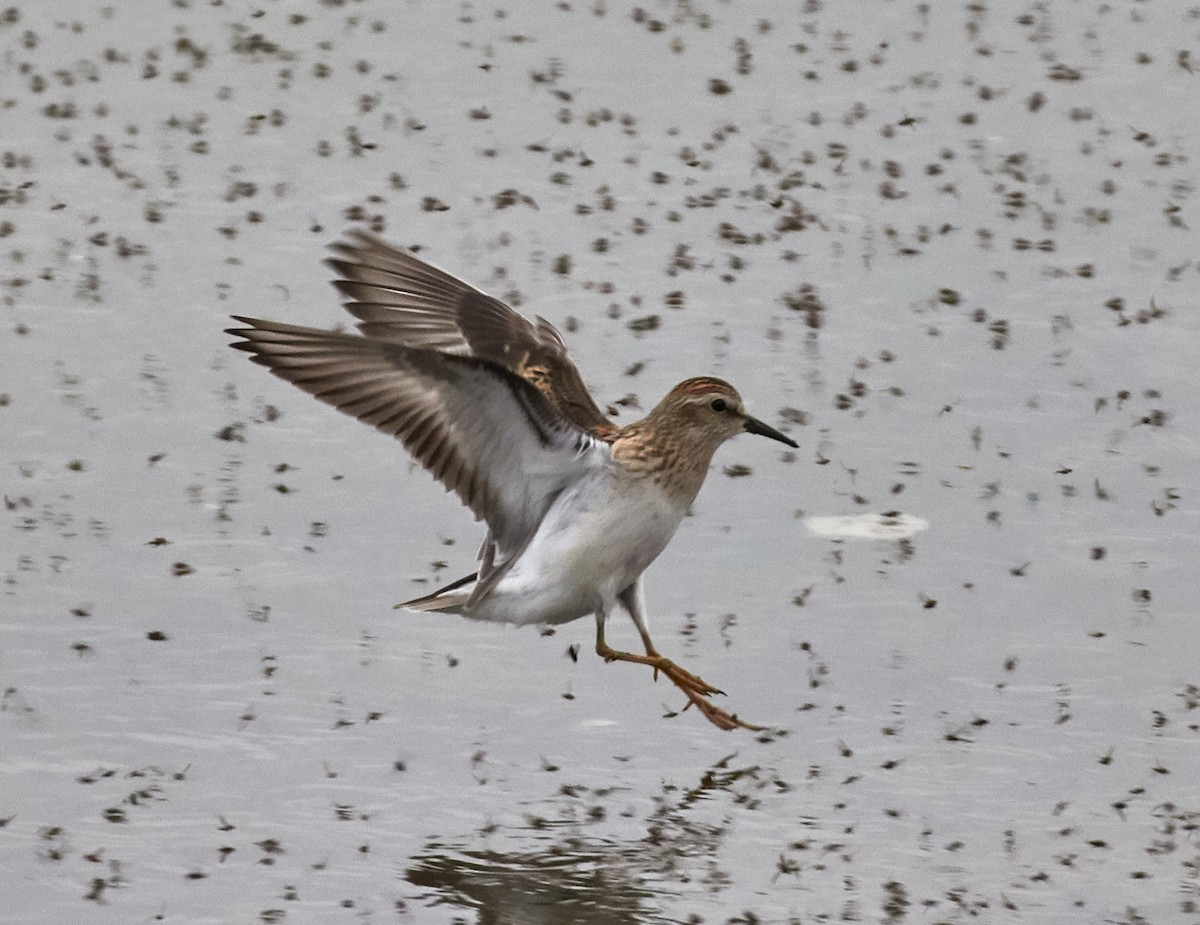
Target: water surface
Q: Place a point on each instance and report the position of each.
(950, 249)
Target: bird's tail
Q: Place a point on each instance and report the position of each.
(443, 599)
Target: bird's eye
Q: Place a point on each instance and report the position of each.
(718, 404)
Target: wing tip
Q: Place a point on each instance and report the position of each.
(354, 241)
(251, 325)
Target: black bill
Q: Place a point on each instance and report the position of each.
(755, 426)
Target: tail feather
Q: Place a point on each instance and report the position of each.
(442, 600)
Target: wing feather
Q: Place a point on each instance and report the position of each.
(400, 299)
(482, 431)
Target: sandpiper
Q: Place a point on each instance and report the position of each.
(576, 506)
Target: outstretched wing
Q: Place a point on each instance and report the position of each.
(402, 300)
(485, 434)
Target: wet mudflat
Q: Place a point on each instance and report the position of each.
(950, 250)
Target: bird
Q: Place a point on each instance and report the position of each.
(576, 506)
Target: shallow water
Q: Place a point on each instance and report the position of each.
(952, 252)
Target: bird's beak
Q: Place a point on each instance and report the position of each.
(755, 426)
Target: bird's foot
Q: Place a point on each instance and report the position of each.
(722, 719)
(696, 688)
(682, 678)
(697, 691)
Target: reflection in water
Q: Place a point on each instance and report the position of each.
(574, 877)
(579, 883)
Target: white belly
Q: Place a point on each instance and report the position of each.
(593, 543)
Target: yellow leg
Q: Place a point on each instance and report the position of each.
(696, 689)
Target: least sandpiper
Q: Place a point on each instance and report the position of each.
(576, 506)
